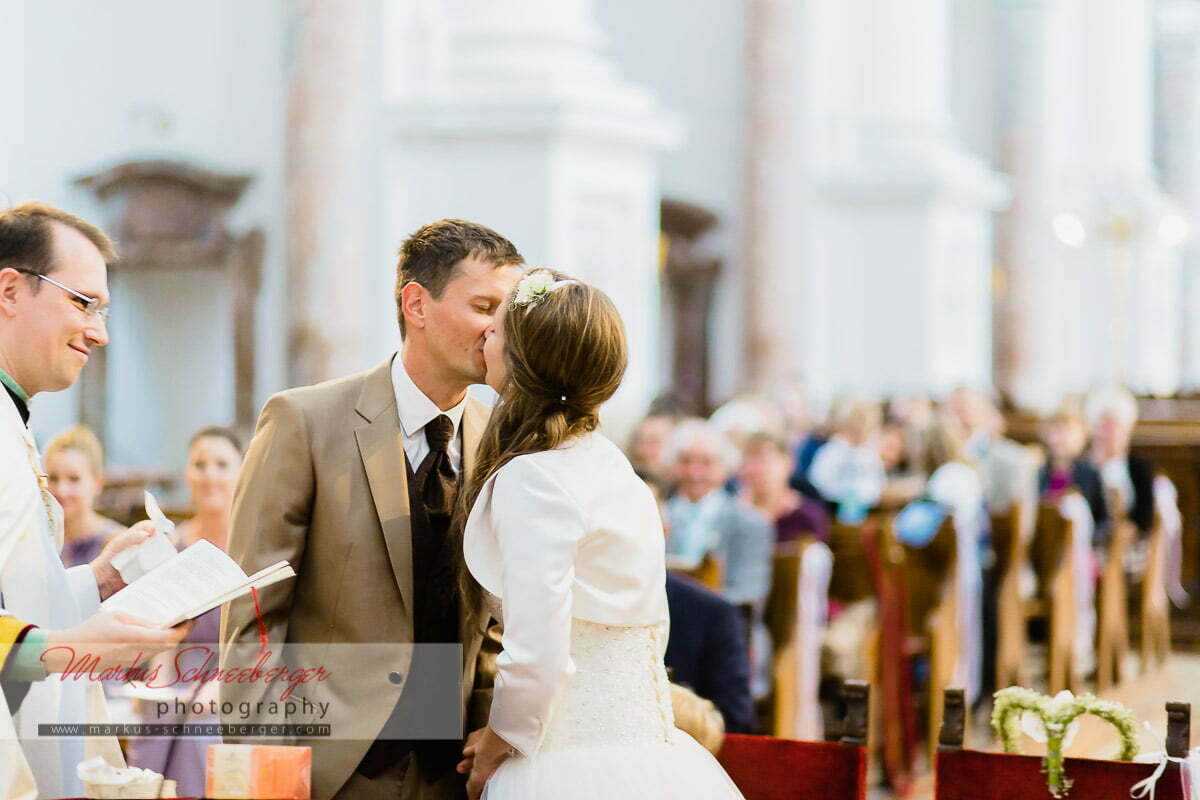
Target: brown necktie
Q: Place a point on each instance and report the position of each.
(436, 478)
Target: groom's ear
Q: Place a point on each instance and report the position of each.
(413, 300)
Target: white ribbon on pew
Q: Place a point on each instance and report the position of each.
(1166, 503)
(816, 567)
(1074, 508)
(1146, 787)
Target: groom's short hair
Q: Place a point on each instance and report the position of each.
(431, 256)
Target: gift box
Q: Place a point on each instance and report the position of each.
(258, 772)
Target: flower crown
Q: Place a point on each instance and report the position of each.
(535, 286)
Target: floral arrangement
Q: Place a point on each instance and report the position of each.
(1054, 720)
(534, 287)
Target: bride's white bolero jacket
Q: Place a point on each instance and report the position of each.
(556, 535)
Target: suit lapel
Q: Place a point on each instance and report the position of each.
(381, 446)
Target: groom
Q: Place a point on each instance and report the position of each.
(353, 481)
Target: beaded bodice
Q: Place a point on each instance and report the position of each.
(619, 693)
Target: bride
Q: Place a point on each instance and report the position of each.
(565, 544)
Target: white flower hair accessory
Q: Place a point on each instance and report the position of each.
(535, 286)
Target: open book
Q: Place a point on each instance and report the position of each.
(196, 580)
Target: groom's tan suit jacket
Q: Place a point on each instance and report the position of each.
(324, 487)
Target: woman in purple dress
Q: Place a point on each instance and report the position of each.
(214, 459)
(767, 463)
(75, 467)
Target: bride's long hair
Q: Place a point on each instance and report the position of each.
(565, 354)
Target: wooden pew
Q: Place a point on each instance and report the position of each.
(1050, 556)
(767, 768)
(1112, 606)
(1011, 548)
(795, 671)
(1155, 624)
(710, 572)
(930, 578)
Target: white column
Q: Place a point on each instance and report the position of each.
(1021, 255)
(1177, 107)
(776, 249)
(896, 293)
(329, 190)
(525, 127)
(1134, 255)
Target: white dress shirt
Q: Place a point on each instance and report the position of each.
(416, 410)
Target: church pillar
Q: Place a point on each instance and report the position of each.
(523, 125)
(1177, 110)
(895, 216)
(329, 190)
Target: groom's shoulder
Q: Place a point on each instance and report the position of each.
(319, 398)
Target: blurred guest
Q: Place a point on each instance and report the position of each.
(804, 438)
(1112, 414)
(766, 465)
(955, 484)
(646, 446)
(1067, 466)
(1009, 471)
(705, 520)
(744, 416)
(953, 481)
(903, 482)
(75, 467)
(847, 470)
(707, 650)
(892, 450)
(790, 398)
(916, 416)
(214, 459)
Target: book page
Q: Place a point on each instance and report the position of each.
(170, 591)
(259, 580)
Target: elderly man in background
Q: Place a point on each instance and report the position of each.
(706, 520)
(53, 305)
(1112, 414)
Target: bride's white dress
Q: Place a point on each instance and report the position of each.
(569, 545)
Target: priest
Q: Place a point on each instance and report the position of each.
(53, 307)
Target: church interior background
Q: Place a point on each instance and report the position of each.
(876, 196)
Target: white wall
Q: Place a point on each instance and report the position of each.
(102, 83)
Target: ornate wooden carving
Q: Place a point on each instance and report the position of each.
(1179, 729)
(690, 276)
(169, 215)
(857, 697)
(954, 720)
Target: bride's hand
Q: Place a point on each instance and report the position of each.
(464, 766)
(486, 752)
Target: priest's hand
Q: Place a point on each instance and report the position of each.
(108, 640)
(486, 753)
(108, 580)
